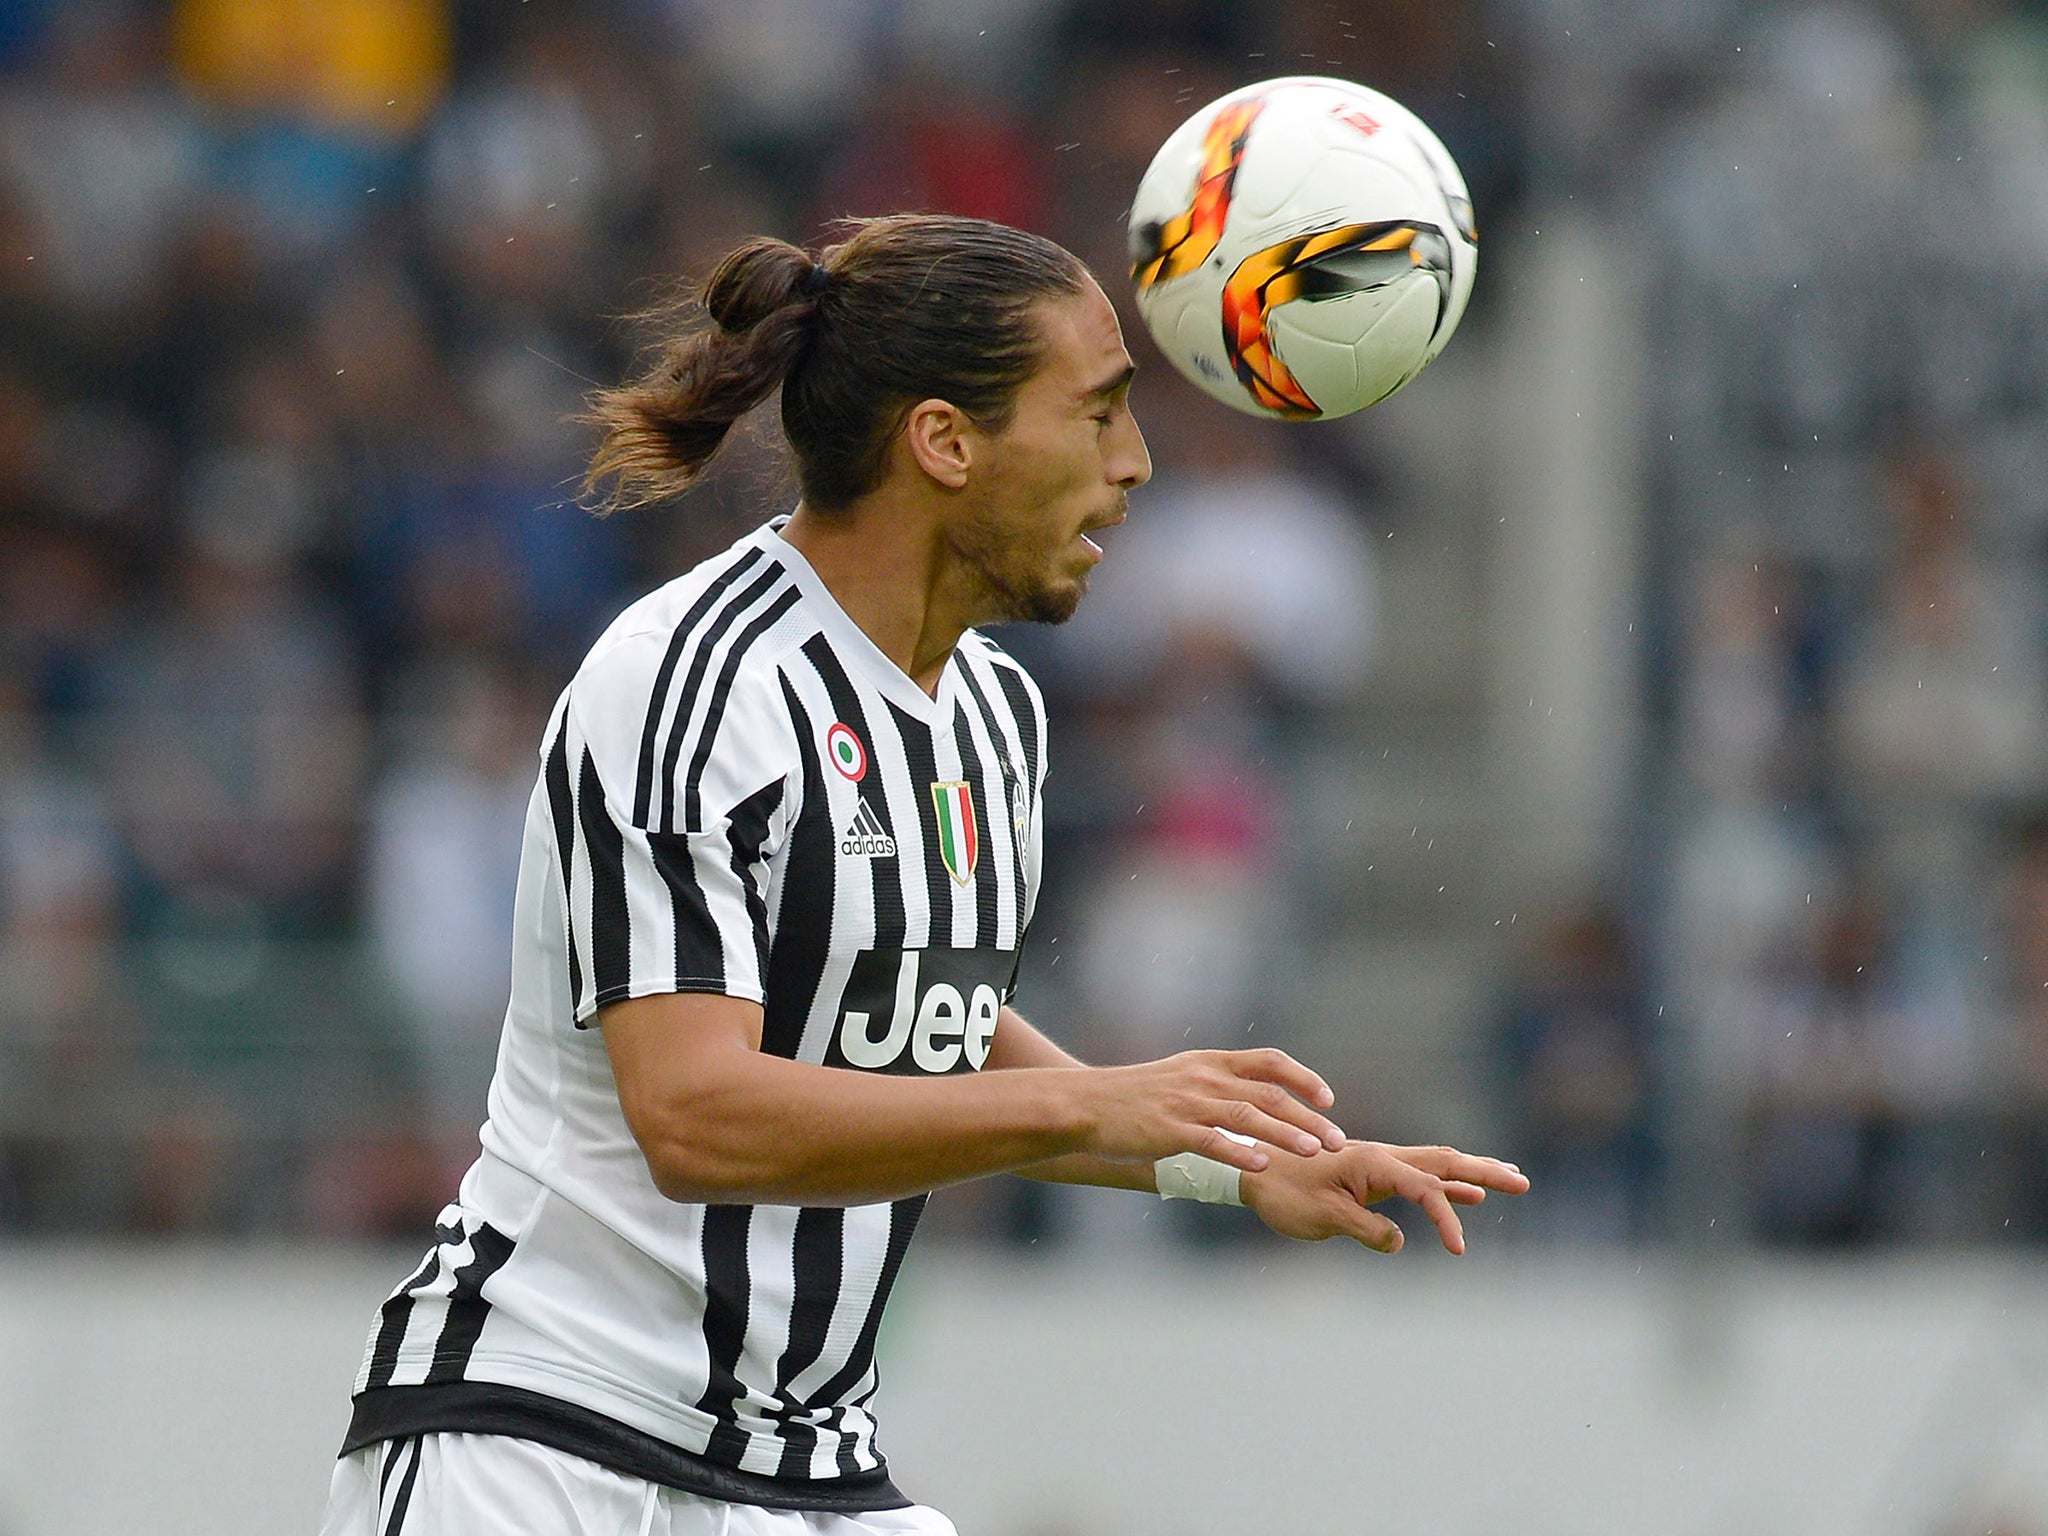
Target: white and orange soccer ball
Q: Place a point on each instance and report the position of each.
(1302, 247)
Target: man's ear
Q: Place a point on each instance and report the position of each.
(942, 441)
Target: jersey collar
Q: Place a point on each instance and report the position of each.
(851, 642)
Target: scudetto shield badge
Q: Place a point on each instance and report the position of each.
(959, 837)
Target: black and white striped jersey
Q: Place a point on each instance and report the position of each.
(739, 793)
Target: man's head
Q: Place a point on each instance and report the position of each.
(974, 368)
(1015, 502)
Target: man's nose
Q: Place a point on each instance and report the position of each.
(1132, 464)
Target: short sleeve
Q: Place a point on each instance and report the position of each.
(1026, 706)
(666, 820)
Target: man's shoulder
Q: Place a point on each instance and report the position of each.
(700, 617)
(693, 661)
(984, 652)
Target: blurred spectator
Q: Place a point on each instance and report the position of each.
(995, 51)
(1213, 30)
(387, 1177)
(1179, 924)
(1578, 1054)
(1744, 865)
(389, 388)
(781, 76)
(1941, 710)
(2022, 1062)
(58, 619)
(921, 145)
(68, 1093)
(21, 420)
(1739, 724)
(235, 736)
(441, 860)
(1859, 1065)
(1782, 291)
(315, 100)
(104, 156)
(532, 168)
(373, 68)
(1230, 547)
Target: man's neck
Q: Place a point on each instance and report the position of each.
(892, 573)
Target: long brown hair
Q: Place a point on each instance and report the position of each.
(910, 307)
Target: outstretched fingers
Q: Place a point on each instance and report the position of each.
(1274, 1085)
(1437, 1206)
(1449, 1163)
(1268, 1065)
(1420, 1188)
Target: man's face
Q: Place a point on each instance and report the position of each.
(1061, 469)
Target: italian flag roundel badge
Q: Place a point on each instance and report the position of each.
(846, 752)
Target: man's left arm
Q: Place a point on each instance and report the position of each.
(1311, 1198)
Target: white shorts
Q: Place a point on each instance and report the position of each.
(494, 1485)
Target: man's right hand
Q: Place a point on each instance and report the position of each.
(1184, 1104)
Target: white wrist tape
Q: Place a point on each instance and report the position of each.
(1190, 1176)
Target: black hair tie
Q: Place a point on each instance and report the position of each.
(813, 282)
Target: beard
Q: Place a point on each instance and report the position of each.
(1040, 602)
(1019, 583)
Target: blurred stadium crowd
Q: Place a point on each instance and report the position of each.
(298, 299)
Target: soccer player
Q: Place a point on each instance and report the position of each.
(778, 867)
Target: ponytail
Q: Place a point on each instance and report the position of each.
(909, 307)
(661, 430)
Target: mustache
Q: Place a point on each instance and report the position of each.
(1117, 514)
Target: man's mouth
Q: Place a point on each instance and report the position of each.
(1096, 525)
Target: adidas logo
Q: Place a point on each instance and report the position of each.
(865, 837)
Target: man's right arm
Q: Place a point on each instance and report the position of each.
(722, 1123)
